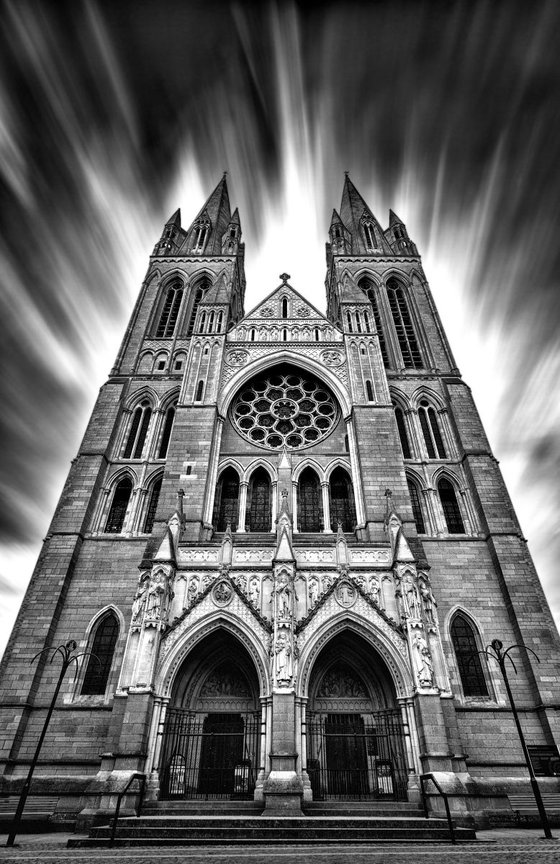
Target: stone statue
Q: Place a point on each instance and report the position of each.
(428, 601)
(313, 592)
(192, 590)
(283, 659)
(374, 590)
(285, 596)
(139, 601)
(254, 591)
(410, 596)
(423, 662)
(156, 594)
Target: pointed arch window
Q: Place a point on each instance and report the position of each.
(103, 647)
(199, 391)
(170, 312)
(403, 432)
(259, 513)
(416, 506)
(166, 431)
(310, 507)
(431, 431)
(200, 290)
(368, 287)
(200, 236)
(369, 391)
(469, 663)
(403, 325)
(284, 307)
(119, 504)
(138, 431)
(152, 506)
(369, 234)
(450, 507)
(226, 505)
(341, 496)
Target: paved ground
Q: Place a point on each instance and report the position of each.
(516, 846)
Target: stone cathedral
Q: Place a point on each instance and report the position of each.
(281, 547)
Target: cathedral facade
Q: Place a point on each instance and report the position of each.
(281, 549)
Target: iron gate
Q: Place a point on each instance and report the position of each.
(209, 755)
(355, 756)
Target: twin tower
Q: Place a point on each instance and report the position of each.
(286, 540)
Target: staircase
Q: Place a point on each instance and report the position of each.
(240, 823)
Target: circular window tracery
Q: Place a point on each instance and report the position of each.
(287, 409)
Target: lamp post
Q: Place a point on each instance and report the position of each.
(68, 657)
(496, 652)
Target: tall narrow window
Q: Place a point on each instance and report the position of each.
(199, 391)
(200, 236)
(259, 514)
(349, 319)
(284, 307)
(416, 506)
(102, 650)
(341, 495)
(152, 507)
(310, 509)
(431, 431)
(450, 506)
(166, 432)
(199, 293)
(138, 431)
(211, 324)
(226, 504)
(117, 512)
(369, 391)
(369, 235)
(316, 334)
(170, 312)
(466, 649)
(368, 288)
(403, 434)
(366, 322)
(403, 325)
(358, 323)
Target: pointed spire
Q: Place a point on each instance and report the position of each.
(166, 551)
(235, 217)
(175, 219)
(356, 216)
(171, 237)
(394, 219)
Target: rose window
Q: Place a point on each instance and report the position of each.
(284, 409)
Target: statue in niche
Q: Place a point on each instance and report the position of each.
(254, 591)
(428, 601)
(374, 590)
(284, 597)
(410, 596)
(139, 599)
(345, 593)
(283, 659)
(156, 593)
(313, 592)
(192, 590)
(423, 662)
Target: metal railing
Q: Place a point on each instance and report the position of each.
(136, 776)
(424, 778)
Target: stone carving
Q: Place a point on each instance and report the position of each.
(255, 591)
(252, 556)
(283, 659)
(423, 662)
(315, 556)
(285, 596)
(410, 598)
(313, 592)
(222, 593)
(428, 601)
(139, 601)
(346, 594)
(303, 311)
(225, 681)
(237, 358)
(375, 590)
(332, 358)
(267, 311)
(369, 556)
(209, 555)
(192, 590)
(342, 682)
(155, 599)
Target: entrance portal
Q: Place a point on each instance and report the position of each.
(355, 733)
(211, 734)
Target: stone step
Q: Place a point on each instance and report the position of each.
(262, 823)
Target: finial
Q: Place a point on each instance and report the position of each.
(347, 173)
(284, 277)
(225, 175)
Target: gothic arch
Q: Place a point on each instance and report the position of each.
(489, 673)
(432, 396)
(366, 272)
(168, 398)
(259, 462)
(337, 462)
(309, 462)
(144, 392)
(145, 361)
(395, 273)
(399, 398)
(397, 666)
(230, 462)
(87, 644)
(219, 619)
(119, 472)
(283, 357)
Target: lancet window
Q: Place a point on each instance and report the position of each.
(102, 651)
(431, 431)
(466, 647)
(119, 504)
(199, 290)
(450, 506)
(166, 431)
(341, 497)
(368, 287)
(403, 432)
(259, 514)
(226, 504)
(416, 506)
(170, 312)
(310, 510)
(403, 325)
(138, 430)
(152, 506)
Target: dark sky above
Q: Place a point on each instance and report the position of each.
(112, 114)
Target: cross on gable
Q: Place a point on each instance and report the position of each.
(284, 277)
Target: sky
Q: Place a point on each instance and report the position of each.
(113, 114)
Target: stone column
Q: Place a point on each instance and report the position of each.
(243, 486)
(326, 507)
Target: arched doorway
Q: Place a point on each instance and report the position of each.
(356, 736)
(210, 746)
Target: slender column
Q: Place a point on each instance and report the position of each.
(326, 507)
(213, 471)
(294, 505)
(274, 492)
(467, 511)
(159, 738)
(243, 486)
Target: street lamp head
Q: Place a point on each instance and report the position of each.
(497, 645)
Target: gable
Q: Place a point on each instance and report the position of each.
(284, 303)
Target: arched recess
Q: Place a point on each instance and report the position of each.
(341, 500)
(466, 640)
(447, 487)
(211, 736)
(309, 502)
(415, 486)
(120, 495)
(226, 502)
(102, 641)
(259, 501)
(358, 739)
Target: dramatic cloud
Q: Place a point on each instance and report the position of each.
(113, 114)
